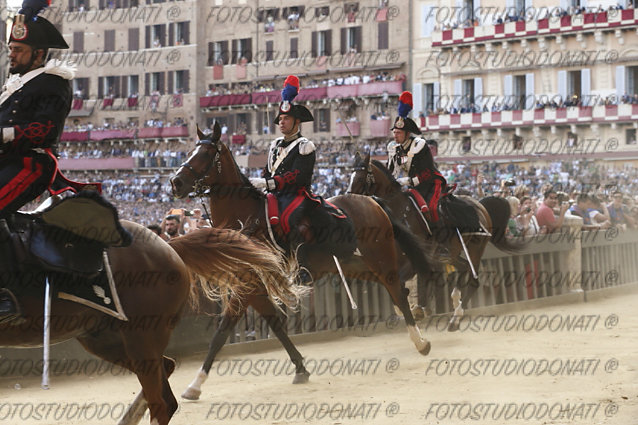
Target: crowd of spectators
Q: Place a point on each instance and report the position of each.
(512, 14)
(246, 88)
(121, 125)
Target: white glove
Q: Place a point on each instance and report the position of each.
(258, 182)
(261, 183)
(408, 181)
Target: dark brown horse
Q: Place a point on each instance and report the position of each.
(236, 203)
(154, 285)
(374, 179)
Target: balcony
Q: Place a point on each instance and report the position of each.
(97, 164)
(535, 117)
(375, 88)
(612, 19)
(141, 133)
(342, 131)
(380, 128)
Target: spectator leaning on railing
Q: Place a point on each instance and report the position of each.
(545, 215)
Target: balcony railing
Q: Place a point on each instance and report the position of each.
(141, 133)
(611, 19)
(317, 93)
(380, 128)
(547, 116)
(342, 131)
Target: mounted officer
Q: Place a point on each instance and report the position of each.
(412, 155)
(34, 103)
(288, 176)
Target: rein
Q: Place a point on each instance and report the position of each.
(199, 186)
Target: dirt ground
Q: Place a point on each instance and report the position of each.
(568, 364)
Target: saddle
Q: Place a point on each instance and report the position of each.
(325, 227)
(65, 243)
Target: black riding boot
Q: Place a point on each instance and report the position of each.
(303, 276)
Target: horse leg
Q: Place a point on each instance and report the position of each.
(229, 320)
(459, 298)
(266, 309)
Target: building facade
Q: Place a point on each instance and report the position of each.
(529, 80)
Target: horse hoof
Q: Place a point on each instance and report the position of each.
(301, 378)
(191, 394)
(418, 312)
(426, 350)
(453, 326)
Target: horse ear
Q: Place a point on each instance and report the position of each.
(217, 132)
(366, 160)
(357, 157)
(200, 135)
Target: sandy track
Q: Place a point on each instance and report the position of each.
(583, 373)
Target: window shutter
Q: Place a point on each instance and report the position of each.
(585, 86)
(344, 40)
(313, 48)
(249, 50)
(383, 35)
(328, 42)
(100, 87)
(116, 86)
(171, 80)
(124, 92)
(357, 39)
(171, 34)
(133, 39)
(147, 84)
(294, 47)
(225, 52)
(186, 32)
(78, 41)
(620, 82)
(187, 81)
(162, 82)
(148, 37)
(478, 93)
(529, 91)
(562, 85)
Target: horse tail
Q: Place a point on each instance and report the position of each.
(232, 265)
(499, 211)
(413, 248)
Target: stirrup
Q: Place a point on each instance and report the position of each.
(14, 311)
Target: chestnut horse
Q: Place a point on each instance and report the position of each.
(374, 179)
(153, 281)
(235, 202)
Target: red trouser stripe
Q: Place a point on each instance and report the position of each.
(434, 200)
(20, 182)
(285, 216)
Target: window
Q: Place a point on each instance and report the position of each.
(243, 123)
(132, 86)
(383, 35)
(572, 139)
(321, 43)
(350, 40)
(109, 40)
(181, 81)
(322, 120)
(466, 144)
(574, 84)
(78, 42)
(431, 98)
(218, 53)
(632, 80)
(155, 36)
(518, 102)
(154, 83)
(322, 12)
(467, 13)
(351, 11)
(294, 48)
(108, 87)
(467, 97)
(517, 143)
(242, 50)
(80, 88)
(178, 33)
(630, 136)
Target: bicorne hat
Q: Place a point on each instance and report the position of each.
(402, 122)
(286, 107)
(34, 30)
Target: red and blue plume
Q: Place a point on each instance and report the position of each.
(405, 104)
(291, 88)
(31, 8)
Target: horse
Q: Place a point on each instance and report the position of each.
(153, 281)
(372, 178)
(236, 203)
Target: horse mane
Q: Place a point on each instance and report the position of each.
(252, 190)
(386, 172)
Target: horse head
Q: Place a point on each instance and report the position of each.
(203, 168)
(362, 180)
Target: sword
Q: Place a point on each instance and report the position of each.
(467, 254)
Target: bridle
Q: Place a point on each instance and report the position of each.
(200, 186)
(370, 180)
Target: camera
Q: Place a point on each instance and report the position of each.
(510, 182)
(528, 210)
(188, 213)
